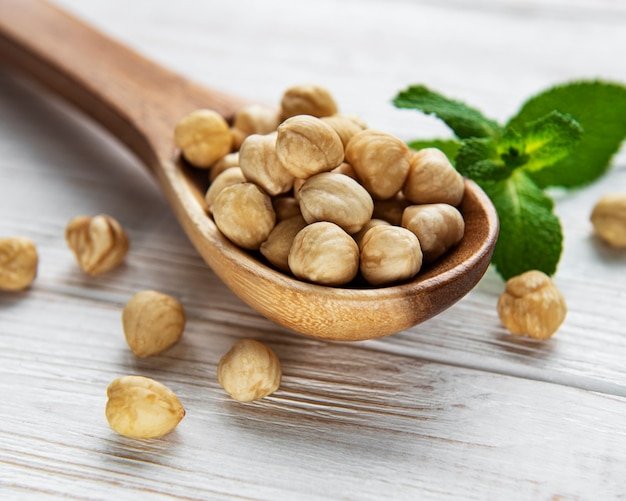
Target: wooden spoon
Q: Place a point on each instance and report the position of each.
(139, 102)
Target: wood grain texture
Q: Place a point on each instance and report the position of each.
(452, 409)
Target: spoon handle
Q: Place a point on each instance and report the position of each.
(135, 99)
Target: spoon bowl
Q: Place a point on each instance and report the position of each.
(139, 102)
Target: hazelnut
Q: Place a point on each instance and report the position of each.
(254, 119)
(224, 163)
(152, 322)
(609, 219)
(140, 407)
(249, 371)
(346, 169)
(358, 236)
(203, 137)
(389, 254)
(260, 164)
(313, 100)
(391, 209)
(276, 247)
(99, 243)
(286, 207)
(438, 227)
(433, 179)
(345, 126)
(233, 175)
(336, 198)
(306, 146)
(325, 254)
(532, 305)
(380, 160)
(18, 263)
(243, 212)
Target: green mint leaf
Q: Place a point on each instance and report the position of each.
(600, 109)
(463, 120)
(541, 143)
(479, 159)
(449, 146)
(530, 233)
(550, 139)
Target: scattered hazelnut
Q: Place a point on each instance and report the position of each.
(609, 219)
(249, 371)
(152, 322)
(18, 263)
(532, 305)
(99, 243)
(139, 407)
(313, 100)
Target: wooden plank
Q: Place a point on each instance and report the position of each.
(347, 423)
(452, 409)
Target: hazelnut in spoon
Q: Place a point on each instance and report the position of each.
(140, 102)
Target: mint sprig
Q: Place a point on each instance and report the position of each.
(462, 119)
(564, 136)
(600, 108)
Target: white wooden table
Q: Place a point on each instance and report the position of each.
(454, 408)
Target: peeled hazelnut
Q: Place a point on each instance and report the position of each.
(345, 126)
(249, 371)
(139, 407)
(325, 254)
(391, 209)
(313, 100)
(336, 198)
(152, 322)
(609, 219)
(346, 169)
(254, 119)
(438, 227)
(204, 137)
(433, 179)
(260, 164)
(306, 146)
(389, 254)
(297, 184)
(532, 305)
(18, 263)
(358, 236)
(224, 163)
(99, 243)
(380, 160)
(243, 212)
(278, 244)
(233, 175)
(286, 207)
